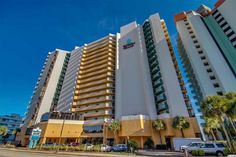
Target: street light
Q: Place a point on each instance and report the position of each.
(62, 128)
(105, 124)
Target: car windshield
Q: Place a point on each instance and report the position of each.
(220, 145)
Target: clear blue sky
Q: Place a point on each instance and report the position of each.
(29, 29)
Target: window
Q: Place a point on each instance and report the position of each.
(212, 77)
(203, 57)
(233, 40)
(209, 145)
(193, 36)
(230, 34)
(216, 85)
(186, 23)
(194, 41)
(188, 27)
(197, 46)
(200, 52)
(206, 64)
(223, 24)
(217, 16)
(209, 70)
(219, 21)
(215, 12)
(220, 145)
(191, 32)
(227, 28)
(219, 93)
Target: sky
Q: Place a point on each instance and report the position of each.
(30, 29)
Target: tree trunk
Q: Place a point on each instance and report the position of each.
(182, 132)
(114, 137)
(232, 123)
(226, 133)
(160, 136)
(213, 135)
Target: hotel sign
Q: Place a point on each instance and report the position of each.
(129, 44)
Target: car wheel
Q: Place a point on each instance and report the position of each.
(219, 153)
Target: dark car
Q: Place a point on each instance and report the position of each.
(119, 148)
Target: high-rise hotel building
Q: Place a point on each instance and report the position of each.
(206, 44)
(47, 89)
(149, 84)
(133, 77)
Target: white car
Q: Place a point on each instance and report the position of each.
(105, 148)
(191, 146)
(214, 148)
(89, 147)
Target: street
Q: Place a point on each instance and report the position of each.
(25, 153)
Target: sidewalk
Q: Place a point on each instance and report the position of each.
(97, 154)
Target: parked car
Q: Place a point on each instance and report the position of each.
(74, 144)
(178, 142)
(119, 148)
(89, 147)
(105, 148)
(213, 148)
(191, 146)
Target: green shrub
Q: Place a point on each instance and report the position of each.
(149, 144)
(132, 144)
(201, 153)
(161, 146)
(198, 153)
(9, 146)
(82, 147)
(226, 151)
(97, 148)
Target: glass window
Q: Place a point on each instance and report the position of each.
(220, 145)
(209, 145)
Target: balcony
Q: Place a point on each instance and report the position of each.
(108, 74)
(96, 73)
(96, 88)
(108, 52)
(94, 83)
(159, 90)
(162, 106)
(97, 114)
(97, 59)
(158, 83)
(94, 107)
(90, 52)
(95, 100)
(95, 94)
(86, 71)
(95, 64)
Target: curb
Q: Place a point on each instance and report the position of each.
(68, 153)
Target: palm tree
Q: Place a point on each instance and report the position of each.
(231, 104)
(15, 131)
(159, 125)
(114, 126)
(180, 123)
(3, 131)
(215, 107)
(211, 123)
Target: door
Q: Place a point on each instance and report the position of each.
(168, 143)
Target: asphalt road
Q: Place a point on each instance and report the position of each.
(19, 153)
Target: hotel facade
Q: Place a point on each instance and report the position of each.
(132, 77)
(207, 46)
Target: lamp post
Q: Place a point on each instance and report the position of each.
(105, 124)
(62, 128)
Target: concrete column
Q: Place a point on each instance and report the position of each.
(43, 140)
(141, 141)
